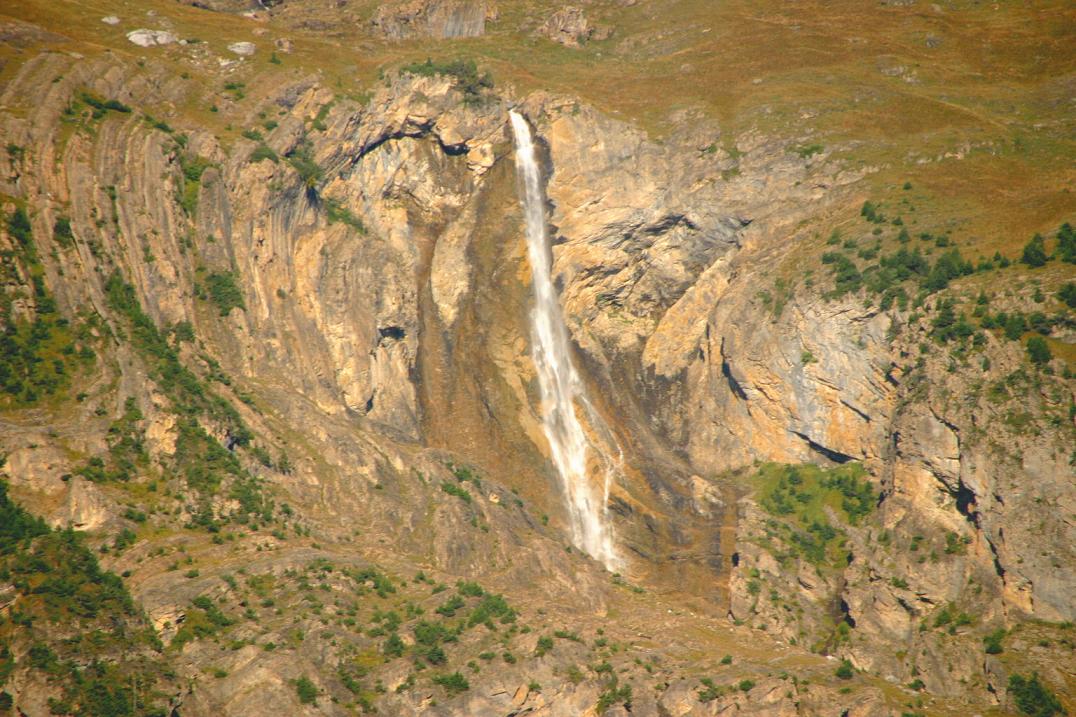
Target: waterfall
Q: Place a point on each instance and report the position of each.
(558, 380)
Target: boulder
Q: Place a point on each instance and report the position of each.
(151, 38)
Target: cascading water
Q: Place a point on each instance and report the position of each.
(557, 378)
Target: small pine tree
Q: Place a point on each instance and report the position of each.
(1038, 351)
(1066, 243)
(1034, 252)
(845, 671)
(1068, 294)
(1032, 697)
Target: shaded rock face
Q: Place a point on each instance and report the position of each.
(440, 19)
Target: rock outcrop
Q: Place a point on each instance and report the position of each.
(570, 27)
(441, 19)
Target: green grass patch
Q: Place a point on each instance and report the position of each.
(798, 497)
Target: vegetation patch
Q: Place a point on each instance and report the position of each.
(40, 353)
(802, 498)
(224, 291)
(465, 73)
(75, 623)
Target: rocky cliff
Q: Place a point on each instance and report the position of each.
(268, 352)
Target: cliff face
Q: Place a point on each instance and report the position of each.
(348, 278)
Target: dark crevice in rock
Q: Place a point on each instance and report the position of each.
(997, 561)
(855, 410)
(734, 385)
(828, 453)
(668, 222)
(726, 371)
(453, 150)
(394, 333)
(965, 503)
(846, 614)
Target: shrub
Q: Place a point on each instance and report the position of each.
(746, 685)
(302, 160)
(453, 683)
(1066, 243)
(844, 671)
(307, 691)
(709, 691)
(61, 231)
(224, 291)
(394, 646)
(450, 606)
(949, 266)
(18, 226)
(1034, 254)
(101, 106)
(612, 695)
(1038, 351)
(1067, 294)
(1014, 324)
(808, 150)
(456, 490)
(871, 214)
(992, 642)
(335, 211)
(192, 168)
(1032, 697)
(262, 152)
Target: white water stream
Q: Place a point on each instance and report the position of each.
(558, 380)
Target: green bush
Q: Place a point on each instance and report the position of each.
(614, 694)
(262, 152)
(992, 642)
(450, 606)
(1034, 254)
(336, 212)
(845, 670)
(1066, 243)
(225, 291)
(1032, 697)
(101, 106)
(192, 169)
(709, 691)
(61, 231)
(454, 683)
(1067, 294)
(456, 490)
(1038, 351)
(394, 646)
(307, 691)
(302, 159)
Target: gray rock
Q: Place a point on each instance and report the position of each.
(151, 38)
